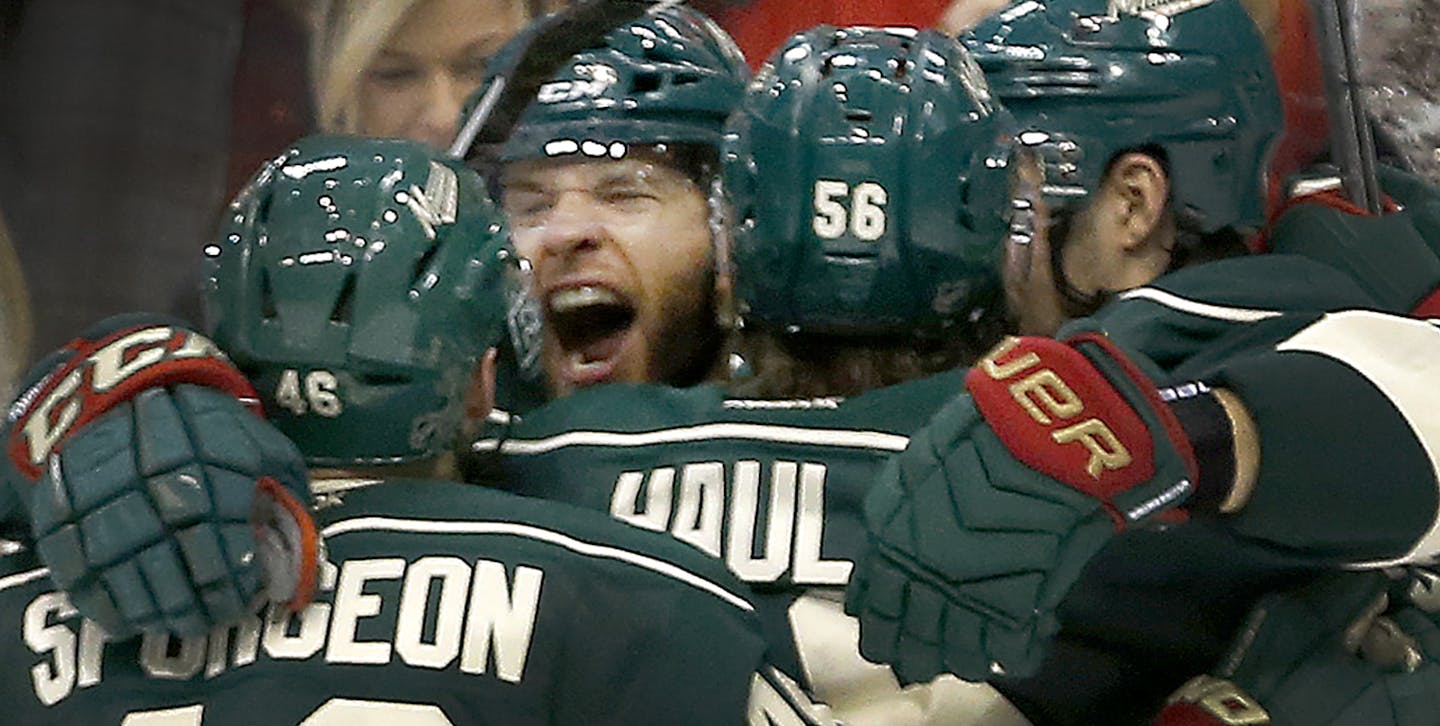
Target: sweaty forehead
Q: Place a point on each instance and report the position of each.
(644, 169)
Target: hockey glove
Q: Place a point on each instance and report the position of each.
(156, 498)
(980, 527)
(1334, 653)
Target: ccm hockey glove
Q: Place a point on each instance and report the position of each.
(980, 527)
(155, 493)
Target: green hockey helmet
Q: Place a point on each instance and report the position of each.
(867, 175)
(357, 281)
(1089, 79)
(671, 76)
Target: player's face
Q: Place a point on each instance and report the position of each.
(416, 85)
(623, 267)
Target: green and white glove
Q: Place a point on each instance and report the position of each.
(982, 525)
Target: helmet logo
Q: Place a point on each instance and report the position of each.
(595, 79)
(972, 78)
(524, 318)
(438, 203)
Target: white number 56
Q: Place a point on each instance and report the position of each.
(866, 218)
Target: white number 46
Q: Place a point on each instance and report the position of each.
(866, 218)
(318, 393)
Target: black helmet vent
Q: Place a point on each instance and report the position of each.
(345, 304)
(267, 297)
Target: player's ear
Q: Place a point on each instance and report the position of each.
(480, 394)
(1139, 188)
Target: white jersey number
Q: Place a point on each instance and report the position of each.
(865, 218)
(334, 712)
(317, 394)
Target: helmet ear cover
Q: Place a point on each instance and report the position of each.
(1090, 79)
(357, 281)
(867, 174)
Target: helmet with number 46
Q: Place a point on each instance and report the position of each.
(356, 283)
(868, 181)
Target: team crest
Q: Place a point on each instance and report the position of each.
(438, 203)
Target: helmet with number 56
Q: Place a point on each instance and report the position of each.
(867, 176)
(356, 283)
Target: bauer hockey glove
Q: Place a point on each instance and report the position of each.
(980, 527)
(155, 493)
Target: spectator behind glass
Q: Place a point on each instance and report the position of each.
(403, 68)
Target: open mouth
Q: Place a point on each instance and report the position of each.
(590, 322)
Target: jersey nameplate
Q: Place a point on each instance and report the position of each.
(480, 614)
(697, 504)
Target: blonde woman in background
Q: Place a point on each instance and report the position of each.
(15, 323)
(403, 68)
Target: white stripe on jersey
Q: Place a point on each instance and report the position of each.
(842, 438)
(1398, 356)
(1195, 307)
(590, 549)
(20, 578)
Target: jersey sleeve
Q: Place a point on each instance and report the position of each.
(1183, 313)
(1389, 255)
(1348, 414)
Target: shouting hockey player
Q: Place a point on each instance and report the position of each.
(854, 269)
(607, 181)
(357, 285)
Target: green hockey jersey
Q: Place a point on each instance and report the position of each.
(1355, 486)
(774, 488)
(440, 603)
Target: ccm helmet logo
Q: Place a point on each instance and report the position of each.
(595, 79)
(1045, 397)
(1057, 413)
